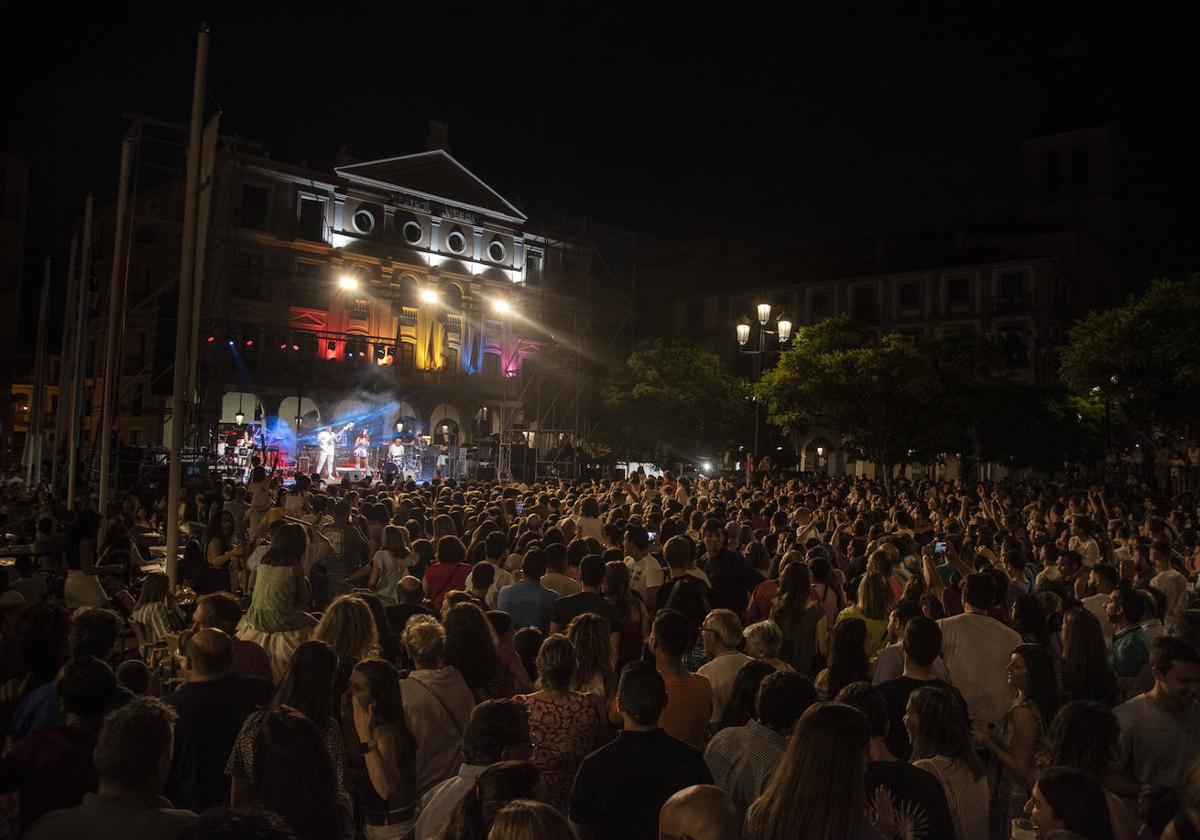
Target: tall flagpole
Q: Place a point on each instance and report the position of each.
(64, 366)
(208, 155)
(183, 317)
(33, 471)
(74, 432)
(110, 401)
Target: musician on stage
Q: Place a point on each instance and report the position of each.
(362, 448)
(327, 441)
(444, 442)
(396, 451)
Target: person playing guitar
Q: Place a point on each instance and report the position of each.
(327, 441)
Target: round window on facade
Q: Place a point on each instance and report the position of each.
(456, 242)
(496, 251)
(412, 233)
(364, 222)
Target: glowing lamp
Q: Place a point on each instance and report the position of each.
(820, 451)
(706, 467)
(428, 296)
(348, 282)
(249, 342)
(501, 306)
(764, 313)
(211, 339)
(295, 347)
(743, 333)
(239, 418)
(399, 426)
(785, 330)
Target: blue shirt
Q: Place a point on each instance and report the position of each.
(40, 708)
(1129, 652)
(529, 604)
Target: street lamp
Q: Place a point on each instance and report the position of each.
(428, 295)
(783, 331)
(348, 282)
(240, 416)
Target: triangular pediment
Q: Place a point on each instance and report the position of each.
(435, 176)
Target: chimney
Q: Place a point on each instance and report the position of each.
(438, 136)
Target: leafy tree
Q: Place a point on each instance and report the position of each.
(674, 399)
(1141, 360)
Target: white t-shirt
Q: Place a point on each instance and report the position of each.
(1157, 748)
(501, 580)
(721, 674)
(1175, 587)
(644, 574)
(1087, 548)
(977, 650)
(1095, 605)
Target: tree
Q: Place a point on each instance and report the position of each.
(674, 399)
(1141, 360)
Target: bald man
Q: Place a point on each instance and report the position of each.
(212, 706)
(699, 812)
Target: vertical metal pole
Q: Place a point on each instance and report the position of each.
(60, 415)
(73, 420)
(110, 403)
(183, 319)
(33, 474)
(208, 154)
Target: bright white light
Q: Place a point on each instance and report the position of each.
(706, 466)
(501, 306)
(348, 282)
(743, 333)
(820, 451)
(428, 296)
(785, 330)
(764, 313)
(239, 418)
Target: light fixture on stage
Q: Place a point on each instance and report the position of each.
(501, 306)
(249, 342)
(296, 347)
(428, 295)
(240, 416)
(348, 282)
(211, 338)
(399, 426)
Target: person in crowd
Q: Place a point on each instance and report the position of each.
(564, 725)
(699, 812)
(211, 707)
(449, 572)
(155, 609)
(798, 617)
(472, 648)
(976, 648)
(1130, 652)
(497, 731)
(496, 786)
(818, 789)
(556, 578)
(689, 708)
(495, 549)
(529, 819)
(1169, 582)
(349, 628)
(621, 787)
(587, 600)
(645, 573)
(528, 602)
(437, 702)
(132, 756)
(389, 640)
(591, 636)
(409, 602)
(633, 619)
(764, 641)
(1084, 736)
(220, 552)
(51, 766)
(308, 689)
(1014, 742)
(740, 707)
(1102, 580)
(1160, 729)
(84, 571)
(388, 782)
(847, 657)
(922, 647)
(873, 606)
(890, 663)
(742, 758)
(680, 556)
(348, 558)
(1069, 801)
(731, 576)
(277, 621)
(238, 824)
(31, 586)
(722, 634)
(1086, 672)
(588, 524)
(941, 745)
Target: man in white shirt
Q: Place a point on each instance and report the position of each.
(498, 731)
(1102, 580)
(722, 633)
(327, 444)
(1169, 582)
(645, 573)
(977, 649)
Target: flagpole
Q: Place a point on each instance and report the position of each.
(74, 430)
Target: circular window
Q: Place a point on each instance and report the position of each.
(364, 222)
(456, 242)
(412, 232)
(496, 251)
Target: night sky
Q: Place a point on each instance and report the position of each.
(777, 128)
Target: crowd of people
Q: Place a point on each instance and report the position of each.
(789, 657)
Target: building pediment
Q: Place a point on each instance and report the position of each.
(436, 179)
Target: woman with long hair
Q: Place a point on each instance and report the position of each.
(741, 706)
(1069, 800)
(1086, 672)
(528, 819)
(591, 636)
(308, 689)
(294, 777)
(873, 607)
(349, 628)
(941, 737)
(847, 658)
(497, 786)
(564, 725)
(388, 780)
(389, 641)
(817, 789)
(827, 586)
(84, 570)
(220, 552)
(1029, 619)
(1013, 746)
(155, 609)
(633, 621)
(276, 619)
(390, 563)
(1085, 736)
(798, 616)
(259, 488)
(471, 647)
(450, 569)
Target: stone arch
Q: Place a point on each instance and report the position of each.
(818, 451)
(247, 403)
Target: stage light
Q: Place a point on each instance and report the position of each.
(348, 282)
(211, 339)
(399, 426)
(249, 342)
(283, 345)
(231, 342)
(239, 418)
(428, 296)
(501, 306)
(296, 347)
(706, 467)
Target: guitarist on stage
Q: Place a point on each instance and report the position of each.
(327, 441)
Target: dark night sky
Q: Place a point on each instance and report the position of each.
(868, 120)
